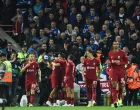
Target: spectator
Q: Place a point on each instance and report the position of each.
(72, 17)
(63, 25)
(136, 53)
(122, 15)
(133, 41)
(92, 14)
(83, 12)
(97, 24)
(9, 50)
(38, 6)
(103, 32)
(18, 12)
(8, 12)
(43, 38)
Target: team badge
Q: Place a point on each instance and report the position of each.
(118, 57)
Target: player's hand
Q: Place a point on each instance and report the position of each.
(84, 79)
(28, 65)
(39, 80)
(117, 62)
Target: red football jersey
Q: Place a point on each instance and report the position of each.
(91, 66)
(119, 56)
(31, 71)
(70, 70)
(63, 67)
(56, 69)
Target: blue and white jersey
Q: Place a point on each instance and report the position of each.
(85, 29)
(54, 32)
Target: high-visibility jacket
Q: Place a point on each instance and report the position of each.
(138, 79)
(132, 76)
(8, 73)
(98, 57)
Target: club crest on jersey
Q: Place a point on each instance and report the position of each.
(33, 66)
(93, 63)
(118, 57)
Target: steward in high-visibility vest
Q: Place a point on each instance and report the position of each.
(5, 79)
(132, 75)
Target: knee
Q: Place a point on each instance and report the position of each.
(113, 84)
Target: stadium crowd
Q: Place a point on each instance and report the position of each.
(57, 36)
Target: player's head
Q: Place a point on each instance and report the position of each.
(71, 57)
(89, 52)
(61, 55)
(115, 45)
(31, 57)
(3, 56)
(55, 55)
(82, 59)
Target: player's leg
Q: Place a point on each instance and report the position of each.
(53, 92)
(89, 83)
(68, 92)
(72, 97)
(94, 93)
(32, 94)
(3, 95)
(122, 87)
(114, 93)
(28, 92)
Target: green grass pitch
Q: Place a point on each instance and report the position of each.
(75, 108)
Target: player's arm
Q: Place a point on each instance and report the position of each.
(55, 64)
(25, 67)
(98, 71)
(83, 71)
(39, 74)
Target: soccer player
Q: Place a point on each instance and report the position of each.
(55, 80)
(90, 67)
(117, 60)
(31, 68)
(61, 92)
(69, 81)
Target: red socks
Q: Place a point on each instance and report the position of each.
(72, 101)
(94, 94)
(89, 94)
(32, 99)
(60, 95)
(114, 95)
(68, 100)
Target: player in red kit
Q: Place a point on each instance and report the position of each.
(61, 92)
(90, 67)
(69, 81)
(117, 60)
(55, 80)
(31, 68)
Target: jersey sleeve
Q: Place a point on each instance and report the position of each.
(125, 59)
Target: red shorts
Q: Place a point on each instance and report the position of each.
(55, 82)
(69, 83)
(117, 75)
(30, 86)
(91, 82)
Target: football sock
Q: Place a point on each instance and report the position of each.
(72, 101)
(68, 100)
(93, 93)
(88, 93)
(114, 95)
(32, 99)
(54, 100)
(60, 95)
